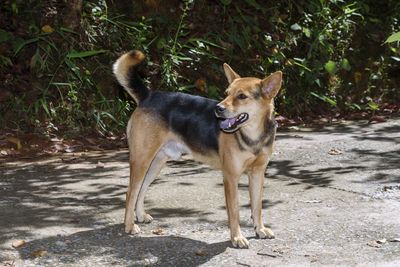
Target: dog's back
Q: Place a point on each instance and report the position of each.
(190, 117)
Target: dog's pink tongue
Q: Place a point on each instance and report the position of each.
(224, 124)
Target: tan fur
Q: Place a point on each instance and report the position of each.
(236, 162)
(148, 135)
(122, 65)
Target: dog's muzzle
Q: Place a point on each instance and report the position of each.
(219, 110)
(229, 124)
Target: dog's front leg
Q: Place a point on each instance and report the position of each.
(232, 205)
(256, 188)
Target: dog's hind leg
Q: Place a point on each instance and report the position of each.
(156, 165)
(145, 140)
(138, 170)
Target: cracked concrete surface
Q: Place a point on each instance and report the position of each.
(332, 197)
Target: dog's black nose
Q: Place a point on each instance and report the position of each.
(219, 108)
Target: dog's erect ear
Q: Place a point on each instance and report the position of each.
(270, 86)
(230, 73)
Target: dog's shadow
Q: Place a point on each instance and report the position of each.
(111, 245)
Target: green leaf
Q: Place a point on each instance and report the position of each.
(396, 59)
(4, 36)
(161, 43)
(253, 3)
(44, 106)
(24, 43)
(301, 65)
(5, 61)
(307, 32)
(68, 30)
(318, 82)
(82, 54)
(295, 27)
(225, 2)
(75, 69)
(354, 106)
(326, 99)
(395, 37)
(345, 64)
(373, 106)
(330, 67)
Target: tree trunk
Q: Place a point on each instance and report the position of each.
(73, 13)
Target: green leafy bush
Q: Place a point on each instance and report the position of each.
(332, 53)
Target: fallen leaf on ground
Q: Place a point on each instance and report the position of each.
(58, 147)
(39, 253)
(269, 254)
(15, 141)
(312, 201)
(374, 244)
(18, 243)
(158, 231)
(91, 140)
(294, 128)
(69, 159)
(100, 164)
(281, 250)
(47, 29)
(334, 151)
(377, 119)
(9, 263)
(69, 149)
(381, 241)
(75, 220)
(200, 252)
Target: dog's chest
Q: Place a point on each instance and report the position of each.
(262, 144)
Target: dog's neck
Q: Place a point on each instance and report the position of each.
(258, 134)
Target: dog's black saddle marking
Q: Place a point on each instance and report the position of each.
(191, 117)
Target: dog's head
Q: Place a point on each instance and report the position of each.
(247, 99)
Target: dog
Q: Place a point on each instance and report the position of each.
(235, 135)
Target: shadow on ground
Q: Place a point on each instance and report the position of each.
(76, 192)
(371, 149)
(46, 194)
(114, 246)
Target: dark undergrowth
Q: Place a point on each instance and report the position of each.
(56, 70)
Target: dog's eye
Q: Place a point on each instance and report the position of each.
(242, 96)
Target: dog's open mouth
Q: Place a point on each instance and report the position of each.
(232, 124)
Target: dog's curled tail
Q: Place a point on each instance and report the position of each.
(125, 70)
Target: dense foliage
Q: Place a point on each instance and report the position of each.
(56, 69)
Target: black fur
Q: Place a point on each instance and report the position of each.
(135, 83)
(191, 117)
(266, 138)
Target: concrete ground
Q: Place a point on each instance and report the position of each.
(332, 197)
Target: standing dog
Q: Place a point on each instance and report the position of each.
(236, 135)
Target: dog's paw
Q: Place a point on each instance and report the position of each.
(145, 218)
(132, 229)
(240, 241)
(265, 232)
